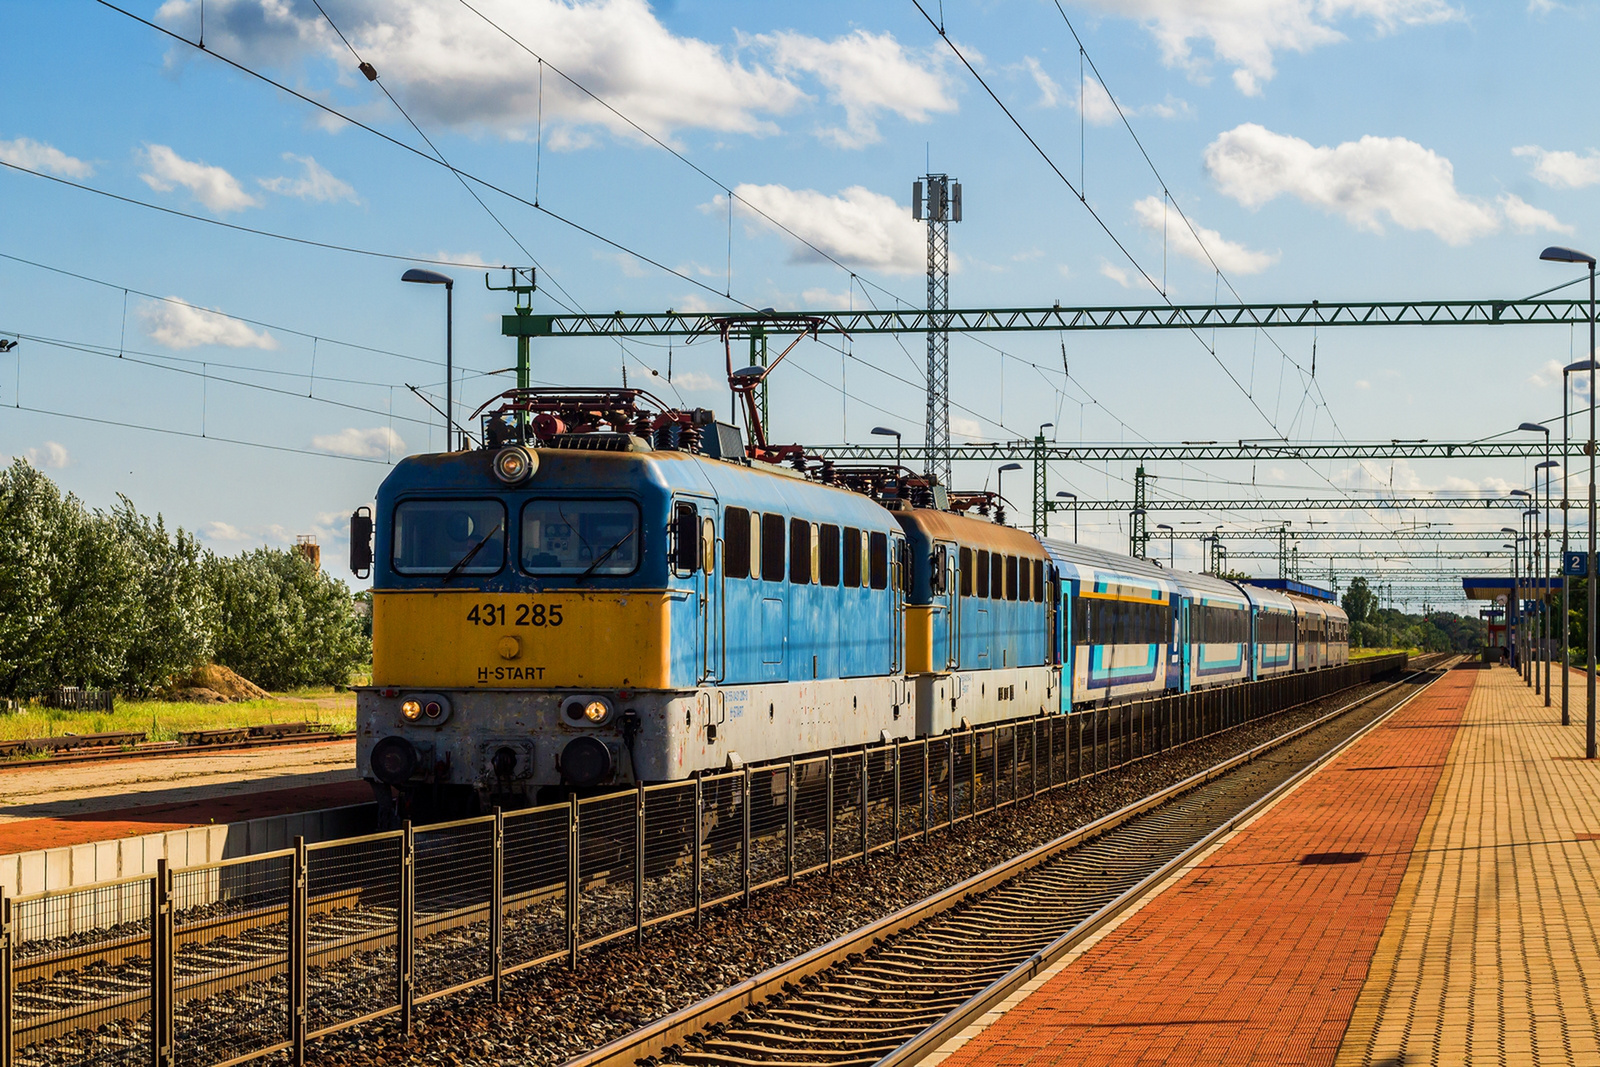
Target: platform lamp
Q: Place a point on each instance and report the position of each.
(1566, 504)
(1558, 254)
(1074, 498)
(1000, 485)
(884, 431)
(1530, 519)
(429, 277)
(1514, 602)
(1546, 615)
(1522, 616)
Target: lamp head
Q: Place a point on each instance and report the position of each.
(1508, 530)
(1520, 492)
(1546, 463)
(1582, 364)
(884, 431)
(1069, 496)
(1011, 467)
(1559, 254)
(1534, 427)
(1162, 526)
(427, 277)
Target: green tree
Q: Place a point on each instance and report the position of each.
(282, 623)
(176, 619)
(1357, 600)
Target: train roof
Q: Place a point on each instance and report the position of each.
(1068, 554)
(1267, 598)
(973, 533)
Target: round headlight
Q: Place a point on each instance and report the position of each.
(412, 710)
(515, 464)
(433, 709)
(595, 711)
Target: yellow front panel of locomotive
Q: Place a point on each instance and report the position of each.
(470, 639)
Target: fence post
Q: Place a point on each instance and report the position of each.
(827, 833)
(699, 862)
(574, 839)
(7, 982)
(638, 867)
(408, 917)
(162, 978)
(744, 859)
(950, 793)
(497, 903)
(793, 790)
(298, 917)
(972, 783)
(866, 766)
(897, 796)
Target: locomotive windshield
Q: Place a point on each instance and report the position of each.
(449, 537)
(580, 537)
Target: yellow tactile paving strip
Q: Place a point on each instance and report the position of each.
(1492, 951)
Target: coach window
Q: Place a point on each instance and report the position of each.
(1024, 580)
(449, 537)
(852, 557)
(828, 554)
(983, 573)
(878, 560)
(1011, 577)
(799, 552)
(1038, 581)
(772, 548)
(966, 572)
(736, 543)
(997, 576)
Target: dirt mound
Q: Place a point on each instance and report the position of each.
(219, 682)
(191, 695)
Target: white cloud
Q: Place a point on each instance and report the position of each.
(50, 455)
(970, 429)
(1096, 104)
(224, 532)
(1229, 255)
(858, 227)
(1362, 383)
(448, 66)
(34, 155)
(314, 184)
(1562, 170)
(865, 73)
(375, 442)
(826, 299)
(186, 326)
(1093, 100)
(466, 259)
(1247, 34)
(1365, 181)
(1049, 92)
(695, 382)
(628, 265)
(1549, 375)
(1116, 274)
(1525, 218)
(212, 186)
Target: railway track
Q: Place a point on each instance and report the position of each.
(892, 992)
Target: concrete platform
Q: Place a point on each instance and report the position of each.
(1431, 896)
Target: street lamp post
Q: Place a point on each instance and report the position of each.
(1000, 487)
(1530, 519)
(1171, 544)
(1557, 254)
(1074, 499)
(1514, 601)
(1522, 615)
(1546, 614)
(429, 277)
(884, 431)
(1566, 504)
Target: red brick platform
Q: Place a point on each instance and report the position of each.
(1257, 954)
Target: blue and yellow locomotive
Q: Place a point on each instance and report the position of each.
(612, 591)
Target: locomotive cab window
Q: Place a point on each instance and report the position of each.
(736, 543)
(580, 537)
(686, 553)
(449, 536)
(878, 560)
(966, 572)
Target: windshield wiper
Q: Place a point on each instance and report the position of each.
(471, 552)
(603, 557)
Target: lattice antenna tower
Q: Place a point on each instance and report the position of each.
(937, 200)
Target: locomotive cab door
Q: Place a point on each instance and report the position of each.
(946, 603)
(694, 557)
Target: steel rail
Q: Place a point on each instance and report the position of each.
(673, 1030)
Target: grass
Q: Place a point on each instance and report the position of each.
(163, 720)
(1368, 653)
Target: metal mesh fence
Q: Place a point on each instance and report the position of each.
(847, 813)
(81, 976)
(454, 887)
(722, 812)
(352, 929)
(668, 850)
(606, 866)
(535, 888)
(231, 957)
(940, 782)
(811, 819)
(881, 799)
(769, 825)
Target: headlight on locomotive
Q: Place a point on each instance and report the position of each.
(412, 710)
(587, 711)
(515, 464)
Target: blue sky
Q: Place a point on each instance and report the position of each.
(1324, 149)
